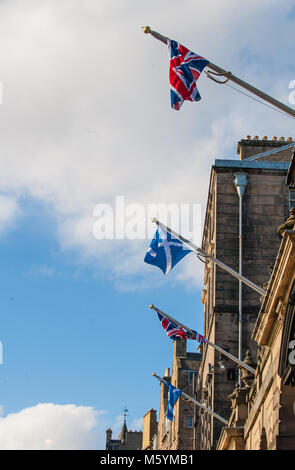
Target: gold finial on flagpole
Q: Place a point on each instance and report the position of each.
(154, 220)
(152, 306)
(146, 29)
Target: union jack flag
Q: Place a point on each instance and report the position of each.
(185, 69)
(175, 332)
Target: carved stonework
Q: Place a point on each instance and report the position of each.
(264, 287)
(239, 406)
(247, 376)
(282, 314)
(283, 309)
(287, 353)
(289, 224)
(233, 396)
(251, 396)
(259, 356)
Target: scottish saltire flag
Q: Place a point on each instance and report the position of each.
(185, 69)
(173, 394)
(175, 332)
(165, 251)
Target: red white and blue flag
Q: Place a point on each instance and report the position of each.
(175, 332)
(185, 69)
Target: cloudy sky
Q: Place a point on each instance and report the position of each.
(86, 118)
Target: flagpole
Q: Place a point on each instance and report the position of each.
(224, 421)
(222, 351)
(233, 78)
(201, 252)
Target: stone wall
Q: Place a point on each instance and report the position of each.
(265, 208)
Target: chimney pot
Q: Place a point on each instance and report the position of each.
(256, 145)
(167, 372)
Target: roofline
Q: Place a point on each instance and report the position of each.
(269, 152)
(253, 164)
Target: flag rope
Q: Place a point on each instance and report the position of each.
(258, 101)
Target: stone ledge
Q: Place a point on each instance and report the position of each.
(231, 437)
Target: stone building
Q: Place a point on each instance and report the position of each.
(263, 415)
(263, 410)
(180, 433)
(127, 440)
(253, 218)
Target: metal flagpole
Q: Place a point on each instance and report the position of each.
(233, 78)
(224, 421)
(201, 252)
(222, 351)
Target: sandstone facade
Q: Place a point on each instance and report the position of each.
(265, 206)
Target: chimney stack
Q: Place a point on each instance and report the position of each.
(250, 147)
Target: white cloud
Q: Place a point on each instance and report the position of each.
(8, 212)
(50, 426)
(86, 113)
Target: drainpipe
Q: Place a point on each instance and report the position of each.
(240, 182)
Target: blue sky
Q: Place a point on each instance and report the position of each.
(70, 336)
(85, 118)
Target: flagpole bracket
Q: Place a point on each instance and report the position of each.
(203, 258)
(226, 74)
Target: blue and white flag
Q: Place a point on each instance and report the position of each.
(173, 394)
(165, 251)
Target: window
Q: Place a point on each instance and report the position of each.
(190, 375)
(263, 440)
(231, 374)
(291, 198)
(189, 421)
